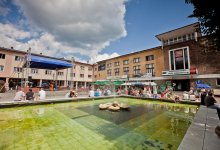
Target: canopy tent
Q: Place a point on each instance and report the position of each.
(48, 63)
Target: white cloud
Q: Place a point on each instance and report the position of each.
(84, 26)
(101, 57)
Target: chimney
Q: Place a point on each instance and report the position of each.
(40, 53)
(12, 47)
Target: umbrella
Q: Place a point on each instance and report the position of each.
(117, 82)
(201, 85)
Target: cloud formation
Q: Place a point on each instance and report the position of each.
(76, 26)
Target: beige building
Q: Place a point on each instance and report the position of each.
(145, 64)
(13, 72)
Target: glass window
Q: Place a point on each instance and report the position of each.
(116, 71)
(150, 69)
(117, 63)
(109, 72)
(81, 75)
(59, 73)
(90, 68)
(125, 62)
(136, 60)
(82, 67)
(34, 71)
(2, 56)
(17, 69)
(48, 72)
(101, 67)
(126, 70)
(89, 76)
(19, 58)
(137, 70)
(179, 59)
(109, 65)
(150, 57)
(1, 68)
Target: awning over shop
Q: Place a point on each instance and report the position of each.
(48, 63)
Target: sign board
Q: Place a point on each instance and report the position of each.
(176, 72)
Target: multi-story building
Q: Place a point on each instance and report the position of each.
(181, 59)
(12, 70)
(144, 64)
(187, 60)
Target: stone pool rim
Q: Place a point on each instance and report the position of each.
(10, 104)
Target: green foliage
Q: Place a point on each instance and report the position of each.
(207, 13)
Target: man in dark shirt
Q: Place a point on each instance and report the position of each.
(30, 95)
(210, 102)
(203, 95)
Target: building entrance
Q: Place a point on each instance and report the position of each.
(181, 85)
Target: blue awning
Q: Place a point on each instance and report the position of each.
(48, 63)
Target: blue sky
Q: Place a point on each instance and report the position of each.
(88, 30)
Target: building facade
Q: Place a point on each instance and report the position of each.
(13, 72)
(141, 64)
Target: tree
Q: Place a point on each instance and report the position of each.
(207, 12)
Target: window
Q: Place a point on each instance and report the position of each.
(95, 69)
(116, 71)
(72, 74)
(90, 68)
(48, 72)
(101, 67)
(150, 69)
(109, 72)
(19, 58)
(149, 57)
(95, 76)
(82, 67)
(184, 38)
(117, 63)
(125, 62)
(136, 60)
(34, 71)
(109, 65)
(218, 81)
(59, 73)
(126, 70)
(179, 59)
(2, 56)
(81, 75)
(137, 70)
(89, 76)
(1, 68)
(17, 69)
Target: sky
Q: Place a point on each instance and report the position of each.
(89, 30)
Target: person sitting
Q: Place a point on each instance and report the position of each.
(19, 95)
(210, 102)
(91, 93)
(42, 94)
(72, 94)
(30, 95)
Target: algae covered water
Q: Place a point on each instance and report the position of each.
(81, 125)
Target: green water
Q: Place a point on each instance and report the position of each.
(81, 125)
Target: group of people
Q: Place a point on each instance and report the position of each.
(208, 100)
(20, 95)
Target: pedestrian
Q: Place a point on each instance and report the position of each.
(210, 102)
